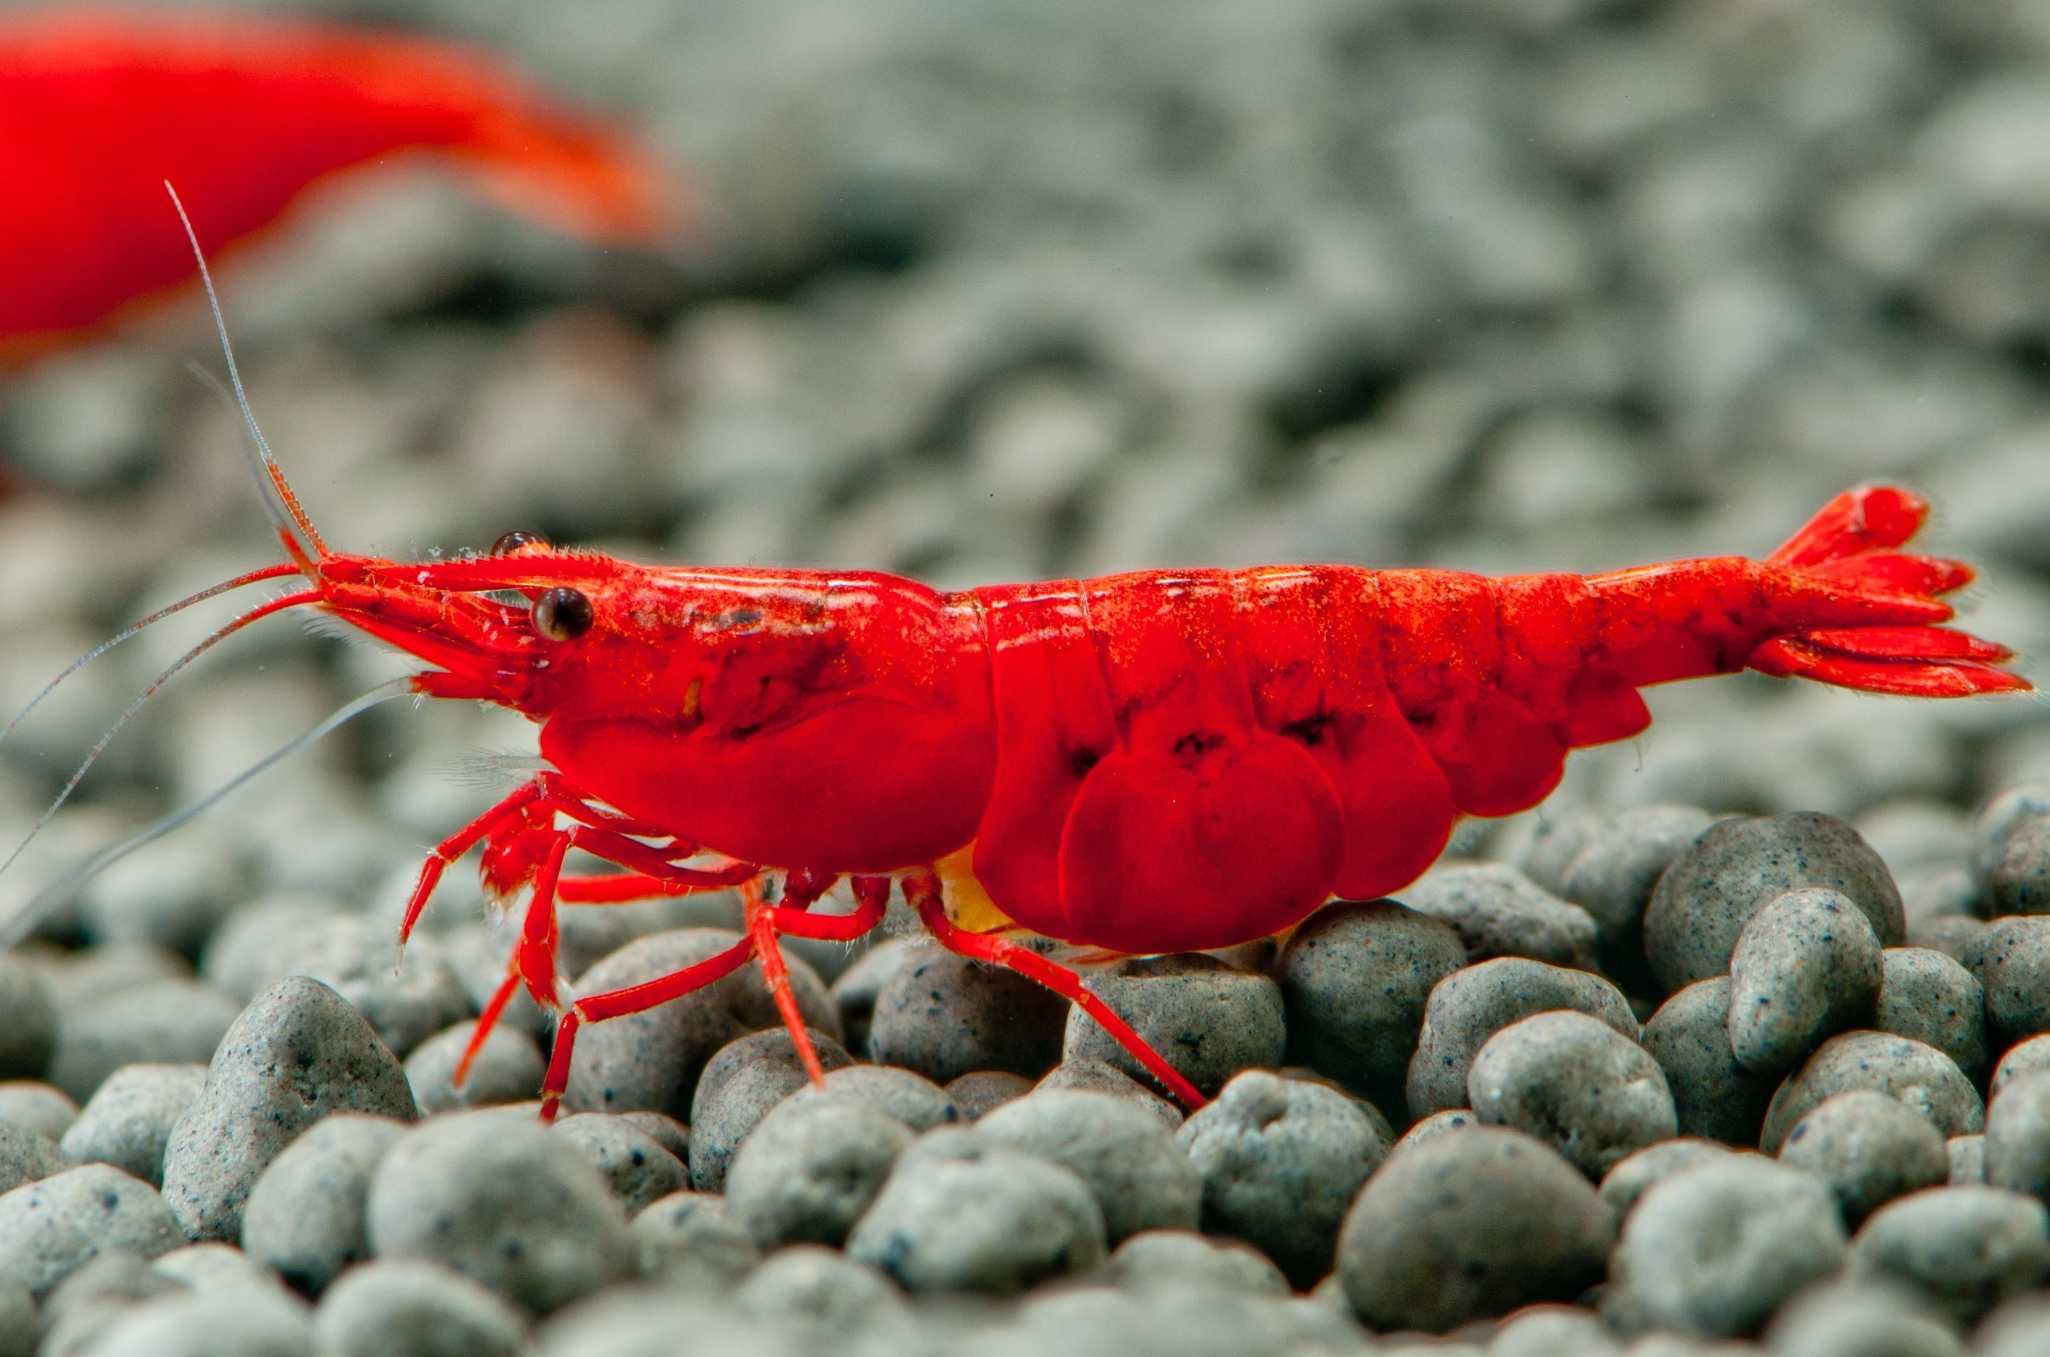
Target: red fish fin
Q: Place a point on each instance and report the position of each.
(1167, 854)
(572, 174)
(1883, 638)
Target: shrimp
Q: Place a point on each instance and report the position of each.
(247, 114)
(1160, 761)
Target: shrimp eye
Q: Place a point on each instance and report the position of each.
(515, 540)
(562, 614)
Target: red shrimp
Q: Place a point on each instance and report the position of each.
(1154, 762)
(245, 114)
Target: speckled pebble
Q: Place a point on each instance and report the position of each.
(30, 1034)
(1280, 1162)
(810, 1169)
(1920, 1076)
(229, 1321)
(634, 1165)
(81, 1307)
(1438, 1123)
(1714, 1250)
(1999, 817)
(1498, 911)
(128, 1121)
(1209, 1020)
(1630, 1176)
(690, 1241)
(415, 1309)
(505, 1202)
(982, 1219)
(1574, 1082)
(822, 1288)
(855, 989)
(1859, 1319)
(748, 1076)
(51, 1227)
(508, 1069)
(37, 1106)
(903, 1095)
(1967, 1156)
(944, 1015)
(1705, 898)
(1554, 1331)
(26, 1156)
(1805, 967)
(2017, 1145)
(1965, 1248)
(1713, 1095)
(665, 1130)
(1958, 936)
(2018, 877)
(1467, 1225)
(2014, 967)
(214, 1264)
(1869, 1148)
(1177, 1259)
(1617, 867)
(1560, 832)
(1355, 978)
(652, 1060)
(980, 1092)
(306, 1214)
(2019, 1061)
(298, 1053)
(1123, 1155)
(1472, 1004)
(165, 1022)
(1931, 997)
(1099, 1076)
(407, 997)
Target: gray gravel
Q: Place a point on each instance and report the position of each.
(1713, 1094)
(1179, 1259)
(1473, 1003)
(49, 1228)
(1869, 1148)
(1931, 997)
(31, 1008)
(1208, 1019)
(2014, 967)
(810, 1170)
(1498, 911)
(980, 1092)
(165, 1022)
(1920, 1076)
(2017, 1147)
(944, 1015)
(1572, 1081)
(415, 1309)
(128, 1121)
(691, 1241)
(740, 1083)
(507, 1069)
(1132, 1166)
(1628, 1178)
(1805, 967)
(26, 1156)
(1965, 1248)
(634, 1164)
(37, 1106)
(306, 1216)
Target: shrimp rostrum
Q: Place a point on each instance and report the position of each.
(1154, 762)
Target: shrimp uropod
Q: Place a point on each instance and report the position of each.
(1150, 762)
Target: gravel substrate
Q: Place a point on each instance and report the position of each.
(1741, 1043)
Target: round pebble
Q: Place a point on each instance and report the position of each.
(1178, 1259)
(213, 1264)
(1615, 870)
(666, 1131)
(2018, 877)
(2017, 1147)
(652, 1060)
(1209, 1020)
(1929, 996)
(26, 1156)
(1967, 1156)
(1354, 978)
(1714, 1250)
(1713, 1095)
(1468, 1225)
(1706, 896)
(2019, 1061)
(407, 996)
(1560, 832)
(1123, 1155)
(855, 989)
(164, 1022)
(1498, 911)
(508, 1069)
(51, 1227)
(1472, 1004)
(1553, 1331)
(30, 1035)
(1958, 936)
(37, 1106)
(900, 1094)
(306, 1214)
(810, 1169)
(2020, 1328)
(1869, 1149)
(2014, 967)
(748, 1076)
(983, 1219)
(415, 1309)
(128, 1121)
(1921, 1076)
(504, 1202)
(1859, 1319)
(1098, 1076)
(980, 1092)
(232, 1321)
(1965, 1248)
(1280, 1161)
(1631, 1175)
(1435, 1125)
(691, 1241)
(633, 1163)
(1570, 1080)
(944, 1015)
(821, 1287)
(1806, 966)
(1999, 818)
(298, 1053)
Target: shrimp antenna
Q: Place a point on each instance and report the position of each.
(269, 572)
(262, 610)
(16, 927)
(286, 513)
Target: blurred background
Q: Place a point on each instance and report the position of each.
(1012, 288)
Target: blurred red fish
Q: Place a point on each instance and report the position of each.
(244, 115)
